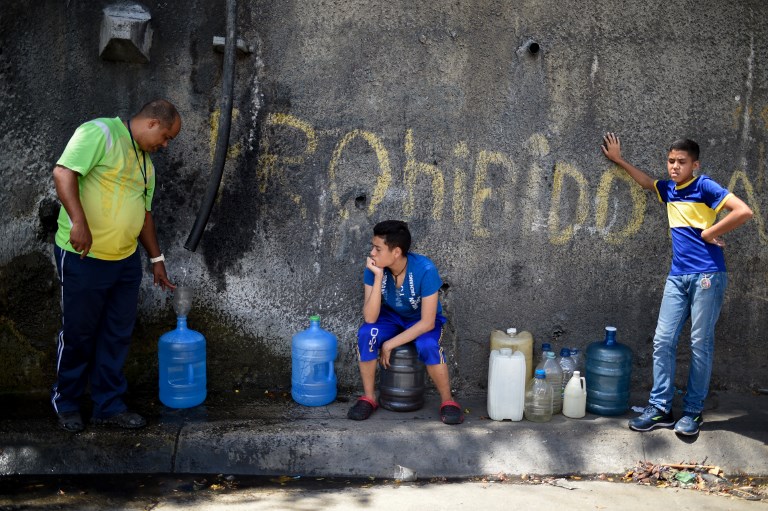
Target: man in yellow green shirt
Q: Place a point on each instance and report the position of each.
(105, 181)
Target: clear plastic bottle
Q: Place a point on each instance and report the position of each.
(568, 367)
(554, 376)
(577, 355)
(545, 347)
(538, 398)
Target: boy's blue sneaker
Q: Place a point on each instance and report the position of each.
(689, 424)
(651, 418)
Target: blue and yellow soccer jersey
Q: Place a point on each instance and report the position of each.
(691, 208)
(112, 187)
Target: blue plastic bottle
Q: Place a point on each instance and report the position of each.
(313, 379)
(609, 371)
(182, 366)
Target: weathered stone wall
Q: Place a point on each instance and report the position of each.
(478, 122)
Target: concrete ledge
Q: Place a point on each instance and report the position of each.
(296, 440)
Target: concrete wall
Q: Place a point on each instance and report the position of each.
(351, 112)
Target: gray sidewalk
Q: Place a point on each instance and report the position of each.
(270, 434)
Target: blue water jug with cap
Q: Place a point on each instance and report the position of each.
(313, 379)
(181, 359)
(609, 372)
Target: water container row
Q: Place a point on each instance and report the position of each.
(604, 390)
(182, 366)
(557, 384)
(511, 382)
(539, 397)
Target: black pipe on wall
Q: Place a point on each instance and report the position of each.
(222, 137)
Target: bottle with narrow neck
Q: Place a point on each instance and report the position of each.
(182, 359)
(538, 398)
(313, 378)
(567, 365)
(608, 376)
(554, 375)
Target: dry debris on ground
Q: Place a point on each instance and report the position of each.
(697, 476)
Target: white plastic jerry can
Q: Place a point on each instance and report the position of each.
(506, 385)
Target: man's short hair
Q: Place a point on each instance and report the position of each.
(687, 145)
(395, 233)
(160, 109)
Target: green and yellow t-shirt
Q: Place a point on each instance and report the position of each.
(112, 189)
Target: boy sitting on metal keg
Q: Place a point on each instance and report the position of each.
(401, 306)
(696, 283)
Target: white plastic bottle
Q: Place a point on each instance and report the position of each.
(575, 397)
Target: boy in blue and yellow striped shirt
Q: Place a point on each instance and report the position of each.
(696, 282)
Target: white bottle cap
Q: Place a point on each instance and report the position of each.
(512, 331)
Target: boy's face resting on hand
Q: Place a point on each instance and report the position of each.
(381, 254)
(681, 166)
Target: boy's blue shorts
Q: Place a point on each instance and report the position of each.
(372, 335)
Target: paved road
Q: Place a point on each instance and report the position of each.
(174, 492)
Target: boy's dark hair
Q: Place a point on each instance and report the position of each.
(687, 145)
(395, 234)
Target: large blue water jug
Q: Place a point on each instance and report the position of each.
(182, 366)
(313, 380)
(609, 371)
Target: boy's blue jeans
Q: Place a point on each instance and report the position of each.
(684, 297)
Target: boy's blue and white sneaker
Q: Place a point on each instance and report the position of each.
(689, 424)
(651, 418)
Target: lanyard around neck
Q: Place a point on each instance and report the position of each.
(144, 157)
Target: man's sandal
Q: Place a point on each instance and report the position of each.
(125, 420)
(71, 421)
(362, 409)
(450, 413)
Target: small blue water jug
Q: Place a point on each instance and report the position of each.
(609, 371)
(313, 379)
(182, 366)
